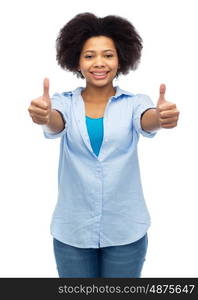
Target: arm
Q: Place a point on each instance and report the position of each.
(56, 122)
(150, 120)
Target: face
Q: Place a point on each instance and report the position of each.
(99, 61)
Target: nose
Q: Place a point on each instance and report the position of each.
(98, 62)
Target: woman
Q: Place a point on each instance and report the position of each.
(100, 221)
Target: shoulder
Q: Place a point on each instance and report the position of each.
(140, 98)
(62, 95)
(130, 95)
(68, 94)
(138, 101)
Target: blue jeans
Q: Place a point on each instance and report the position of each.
(114, 261)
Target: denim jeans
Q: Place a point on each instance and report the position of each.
(107, 262)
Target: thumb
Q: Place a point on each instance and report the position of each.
(46, 89)
(162, 91)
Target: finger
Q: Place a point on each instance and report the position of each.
(172, 125)
(162, 91)
(163, 107)
(40, 120)
(169, 114)
(46, 88)
(168, 120)
(38, 111)
(41, 104)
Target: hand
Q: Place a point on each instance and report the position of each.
(40, 108)
(167, 112)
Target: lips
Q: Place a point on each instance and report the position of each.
(99, 75)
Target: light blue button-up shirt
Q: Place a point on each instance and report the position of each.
(100, 197)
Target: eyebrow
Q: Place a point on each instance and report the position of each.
(102, 51)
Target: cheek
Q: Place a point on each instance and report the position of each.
(85, 67)
(82, 64)
(114, 64)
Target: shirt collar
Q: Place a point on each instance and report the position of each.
(119, 92)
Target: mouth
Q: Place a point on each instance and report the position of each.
(99, 75)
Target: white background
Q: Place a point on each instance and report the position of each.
(29, 162)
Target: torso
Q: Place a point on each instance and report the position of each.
(94, 110)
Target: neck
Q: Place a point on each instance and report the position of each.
(98, 94)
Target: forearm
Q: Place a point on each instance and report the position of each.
(56, 123)
(150, 120)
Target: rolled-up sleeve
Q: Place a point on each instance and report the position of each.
(141, 104)
(60, 102)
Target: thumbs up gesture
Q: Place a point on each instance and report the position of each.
(40, 108)
(166, 111)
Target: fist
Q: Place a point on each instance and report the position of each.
(167, 112)
(40, 108)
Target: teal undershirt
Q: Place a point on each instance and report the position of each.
(95, 131)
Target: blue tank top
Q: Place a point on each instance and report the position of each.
(95, 131)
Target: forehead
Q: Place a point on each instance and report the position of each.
(99, 43)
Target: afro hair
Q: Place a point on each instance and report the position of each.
(83, 26)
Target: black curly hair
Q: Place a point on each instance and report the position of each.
(83, 26)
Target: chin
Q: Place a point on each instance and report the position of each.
(101, 84)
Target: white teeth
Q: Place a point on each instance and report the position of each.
(100, 74)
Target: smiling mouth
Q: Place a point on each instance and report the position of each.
(100, 75)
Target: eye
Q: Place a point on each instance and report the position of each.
(107, 55)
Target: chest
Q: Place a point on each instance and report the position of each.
(93, 110)
(117, 128)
